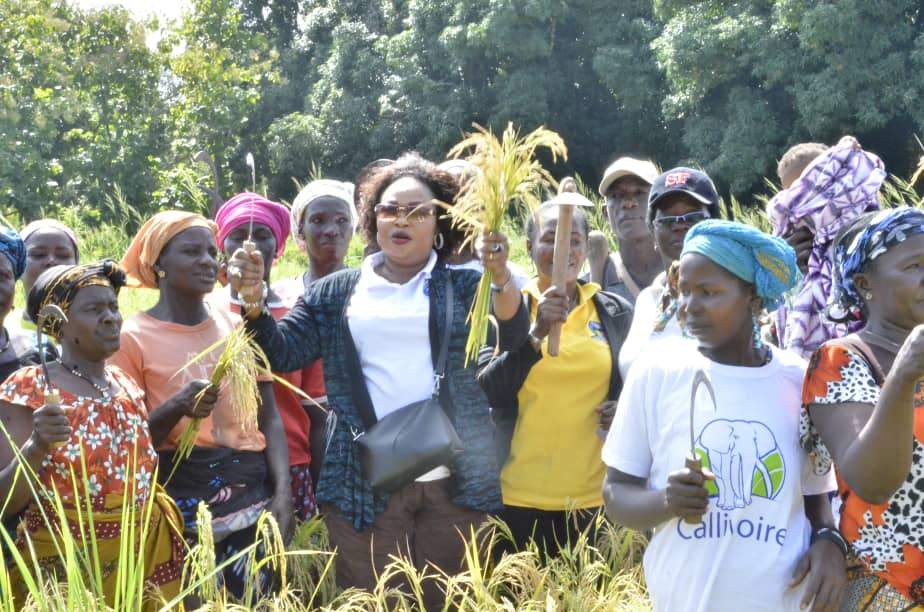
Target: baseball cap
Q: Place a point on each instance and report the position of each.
(694, 183)
(628, 166)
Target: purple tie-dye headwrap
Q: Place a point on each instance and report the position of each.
(839, 186)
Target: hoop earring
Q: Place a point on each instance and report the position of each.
(758, 339)
(869, 296)
(438, 241)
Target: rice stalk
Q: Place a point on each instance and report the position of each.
(509, 175)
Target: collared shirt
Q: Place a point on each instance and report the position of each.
(390, 325)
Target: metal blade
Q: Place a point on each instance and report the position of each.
(253, 189)
(51, 311)
(700, 378)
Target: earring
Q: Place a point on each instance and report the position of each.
(438, 241)
(758, 338)
(868, 296)
(161, 274)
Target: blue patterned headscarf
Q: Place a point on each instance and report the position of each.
(12, 247)
(851, 256)
(764, 261)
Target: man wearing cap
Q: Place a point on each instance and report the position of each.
(625, 187)
(679, 199)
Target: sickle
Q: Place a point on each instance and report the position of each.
(699, 378)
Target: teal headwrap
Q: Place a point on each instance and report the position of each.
(764, 261)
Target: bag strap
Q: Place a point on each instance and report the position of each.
(440, 371)
(855, 342)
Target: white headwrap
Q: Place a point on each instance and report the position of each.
(321, 188)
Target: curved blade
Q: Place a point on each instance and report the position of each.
(699, 378)
(51, 311)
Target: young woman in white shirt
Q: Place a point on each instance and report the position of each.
(747, 525)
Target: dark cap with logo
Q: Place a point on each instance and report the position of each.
(694, 183)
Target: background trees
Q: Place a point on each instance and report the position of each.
(87, 106)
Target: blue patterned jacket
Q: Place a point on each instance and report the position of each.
(316, 328)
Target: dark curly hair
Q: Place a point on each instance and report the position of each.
(373, 182)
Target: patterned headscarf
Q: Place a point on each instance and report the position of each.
(766, 262)
(60, 284)
(14, 249)
(836, 188)
(243, 207)
(887, 229)
(41, 224)
(138, 261)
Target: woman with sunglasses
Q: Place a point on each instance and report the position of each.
(378, 330)
(679, 199)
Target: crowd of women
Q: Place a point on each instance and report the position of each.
(680, 402)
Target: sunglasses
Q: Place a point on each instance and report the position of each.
(390, 213)
(688, 219)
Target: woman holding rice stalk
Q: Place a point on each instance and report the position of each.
(101, 427)
(379, 330)
(239, 465)
(745, 525)
(269, 233)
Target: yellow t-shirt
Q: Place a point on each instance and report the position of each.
(554, 461)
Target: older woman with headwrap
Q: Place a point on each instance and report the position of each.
(831, 192)
(732, 529)
(98, 435)
(237, 471)
(269, 233)
(864, 406)
(12, 265)
(48, 243)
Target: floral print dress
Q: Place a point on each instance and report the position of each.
(886, 539)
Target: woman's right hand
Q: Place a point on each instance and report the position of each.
(191, 404)
(245, 272)
(909, 363)
(686, 494)
(552, 308)
(50, 427)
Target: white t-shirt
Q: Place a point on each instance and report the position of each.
(390, 325)
(741, 557)
(642, 337)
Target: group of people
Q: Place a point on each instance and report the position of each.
(680, 401)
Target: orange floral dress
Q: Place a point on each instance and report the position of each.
(887, 539)
(110, 433)
(110, 437)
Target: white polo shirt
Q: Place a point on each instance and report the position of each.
(390, 325)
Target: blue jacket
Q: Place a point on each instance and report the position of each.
(316, 327)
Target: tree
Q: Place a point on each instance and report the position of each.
(78, 113)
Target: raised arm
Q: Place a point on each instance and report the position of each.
(871, 444)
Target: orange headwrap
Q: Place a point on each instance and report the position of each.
(151, 239)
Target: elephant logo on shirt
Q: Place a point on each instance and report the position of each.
(745, 459)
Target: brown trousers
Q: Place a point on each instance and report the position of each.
(420, 522)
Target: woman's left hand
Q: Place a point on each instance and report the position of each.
(284, 512)
(493, 251)
(825, 570)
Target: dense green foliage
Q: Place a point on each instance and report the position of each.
(90, 110)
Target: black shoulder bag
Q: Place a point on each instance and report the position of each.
(417, 438)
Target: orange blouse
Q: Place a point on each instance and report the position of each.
(887, 538)
(111, 436)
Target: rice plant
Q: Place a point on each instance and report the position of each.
(509, 175)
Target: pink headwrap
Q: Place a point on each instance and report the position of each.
(238, 211)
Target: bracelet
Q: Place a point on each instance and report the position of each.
(502, 288)
(535, 342)
(832, 535)
(248, 306)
